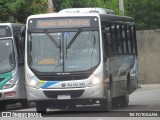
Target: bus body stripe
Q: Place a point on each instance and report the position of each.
(47, 84)
(6, 77)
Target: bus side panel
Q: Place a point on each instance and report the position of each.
(119, 68)
(134, 77)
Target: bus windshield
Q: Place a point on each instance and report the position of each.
(7, 60)
(67, 51)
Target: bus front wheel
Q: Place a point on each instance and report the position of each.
(2, 106)
(106, 104)
(40, 107)
(25, 103)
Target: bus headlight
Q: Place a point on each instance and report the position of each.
(10, 83)
(32, 81)
(95, 80)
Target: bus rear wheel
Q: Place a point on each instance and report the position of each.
(124, 100)
(40, 107)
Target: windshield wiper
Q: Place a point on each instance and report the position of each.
(74, 38)
(52, 39)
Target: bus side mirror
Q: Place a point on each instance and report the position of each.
(21, 45)
(22, 38)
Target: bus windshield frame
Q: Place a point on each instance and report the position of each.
(66, 42)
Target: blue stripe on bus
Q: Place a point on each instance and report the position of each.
(47, 84)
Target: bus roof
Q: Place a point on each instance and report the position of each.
(10, 24)
(105, 14)
(13, 25)
(104, 17)
(88, 10)
(6, 24)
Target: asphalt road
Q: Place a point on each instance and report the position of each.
(143, 102)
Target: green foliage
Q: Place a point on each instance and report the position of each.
(19, 10)
(4, 11)
(38, 6)
(62, 4)
(145, 12)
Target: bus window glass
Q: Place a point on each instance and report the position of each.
(124, 40)
(43, 54)
(107, 40)
(133, 39)
(7, 60)
(5, 31)
(119, 39)
(114, 41)
(129, 39)
(83, 54)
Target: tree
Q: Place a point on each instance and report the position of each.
(19, 10)
(5, 12)
(145, 12)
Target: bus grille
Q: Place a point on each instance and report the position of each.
(72, 93)
(63, 77)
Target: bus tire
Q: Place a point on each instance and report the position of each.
(106, 104)
(124, 100)
(25, 103)
(115, 102)
(40, 107)
(2, 106)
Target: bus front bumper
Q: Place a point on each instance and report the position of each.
(95, 92)
(10, 93)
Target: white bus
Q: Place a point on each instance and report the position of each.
(80, 56)
(12, 80)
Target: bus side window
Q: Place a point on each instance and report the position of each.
(129, 40)
(114, 40)
(119, 39)
(124, 40)
(133, 37)
(107, 41)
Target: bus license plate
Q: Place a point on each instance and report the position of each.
(64, 97)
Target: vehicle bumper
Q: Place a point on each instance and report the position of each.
(10, 94)
(95, 92)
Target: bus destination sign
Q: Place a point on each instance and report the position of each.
(2, 31)
(62, 23)
(5, 31)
